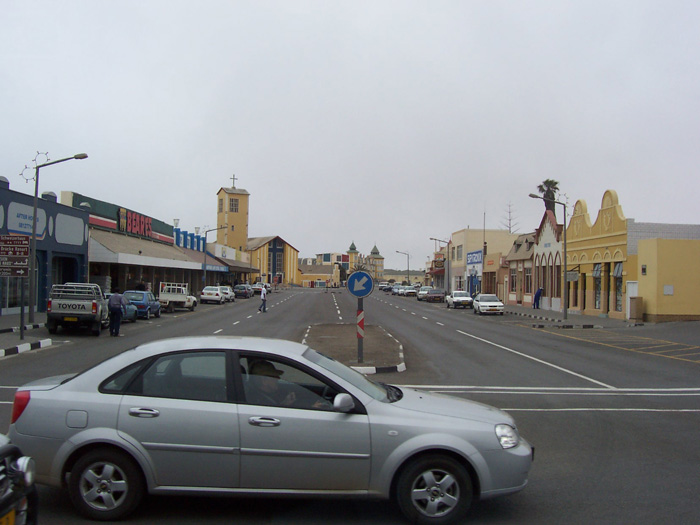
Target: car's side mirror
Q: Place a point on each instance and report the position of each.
(343, 403)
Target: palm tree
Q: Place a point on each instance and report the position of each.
(549, 189)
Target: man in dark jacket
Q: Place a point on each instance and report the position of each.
(115, 304)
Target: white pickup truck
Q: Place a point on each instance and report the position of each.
(77, 304)
(176, 295)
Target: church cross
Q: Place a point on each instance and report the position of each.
(233, 178)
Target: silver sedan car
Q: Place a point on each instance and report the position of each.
(238, 415)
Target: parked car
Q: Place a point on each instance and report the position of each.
(18, 496)
(396, 289)
(257, 288)
(410, 291)
(423, 292)
(165, 417)
(212, 294)
(435, 295)
(486, 303)
(459, 299)
(129, 310)
(228, 293)
(243, 290)
(146, 303)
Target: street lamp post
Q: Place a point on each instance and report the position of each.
(408, 270)
(566, 268)
(205, 249)
(32, 245)
(447, 256)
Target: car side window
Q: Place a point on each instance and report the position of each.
(199, 376)
(271, 382)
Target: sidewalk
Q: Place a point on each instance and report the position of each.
(544, 318)
(35, 335)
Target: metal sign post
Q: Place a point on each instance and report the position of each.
(360, 284)
(14, 262)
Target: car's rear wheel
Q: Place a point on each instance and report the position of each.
(434, 490)
(148, 313)
(105, 485)
(158, 312)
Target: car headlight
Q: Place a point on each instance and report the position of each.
(23, 470)
(507, 436)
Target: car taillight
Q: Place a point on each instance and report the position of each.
(21, 402)
(94, 307)
(48, 305)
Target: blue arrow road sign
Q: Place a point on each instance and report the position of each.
(360, 284)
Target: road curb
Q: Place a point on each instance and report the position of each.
(25, 347)
(17, 328)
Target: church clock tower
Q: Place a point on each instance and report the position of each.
(232, 212)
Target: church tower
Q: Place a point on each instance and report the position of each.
(232, 212)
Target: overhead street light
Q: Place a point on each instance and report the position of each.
(32, 246)
(447, 256)
(566, 267)
(408, 271)
(205, 249)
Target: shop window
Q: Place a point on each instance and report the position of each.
(513, 278)
(597, 285)
(617, 275)
(528, 280)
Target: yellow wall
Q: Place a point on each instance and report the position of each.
(292, 275)
(669, 290)
(604, 242)
(238, 236)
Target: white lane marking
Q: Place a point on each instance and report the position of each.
(561, 369)
(439, 324)
(219, 330)
(234, 324)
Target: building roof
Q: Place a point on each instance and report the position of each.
(523, 248)
(316, 269)
(256, 242)
(234, 191)
(113, 247)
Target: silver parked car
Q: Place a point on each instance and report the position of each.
(238, 415)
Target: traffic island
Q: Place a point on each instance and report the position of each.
(382, 353)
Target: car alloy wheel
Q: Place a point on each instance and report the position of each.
(105, 485)
(434, 489)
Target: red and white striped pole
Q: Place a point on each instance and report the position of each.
(360, 330)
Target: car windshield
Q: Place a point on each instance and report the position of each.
(133, 296)
(489, 299)
(211, 289)
(437, 291)
(460, 294)
(375, 391)
(425, 288)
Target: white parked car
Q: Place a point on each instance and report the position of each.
(459, 299)
(487, 303)
(228, 292)
(212, 294)
(423, 292)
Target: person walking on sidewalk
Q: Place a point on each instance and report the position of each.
(116, 301)
(263, 297)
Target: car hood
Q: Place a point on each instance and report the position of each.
(450, 406)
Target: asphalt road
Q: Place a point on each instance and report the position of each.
(614, 414)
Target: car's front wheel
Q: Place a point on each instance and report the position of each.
(434, 490)
(105, 485)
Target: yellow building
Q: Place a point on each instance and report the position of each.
(617, 259)
(232, 218)
(278, 260)
(372, 263)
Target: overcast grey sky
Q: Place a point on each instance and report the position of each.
(378, 122)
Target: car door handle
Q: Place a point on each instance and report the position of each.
(143, 412)
(264, 421)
